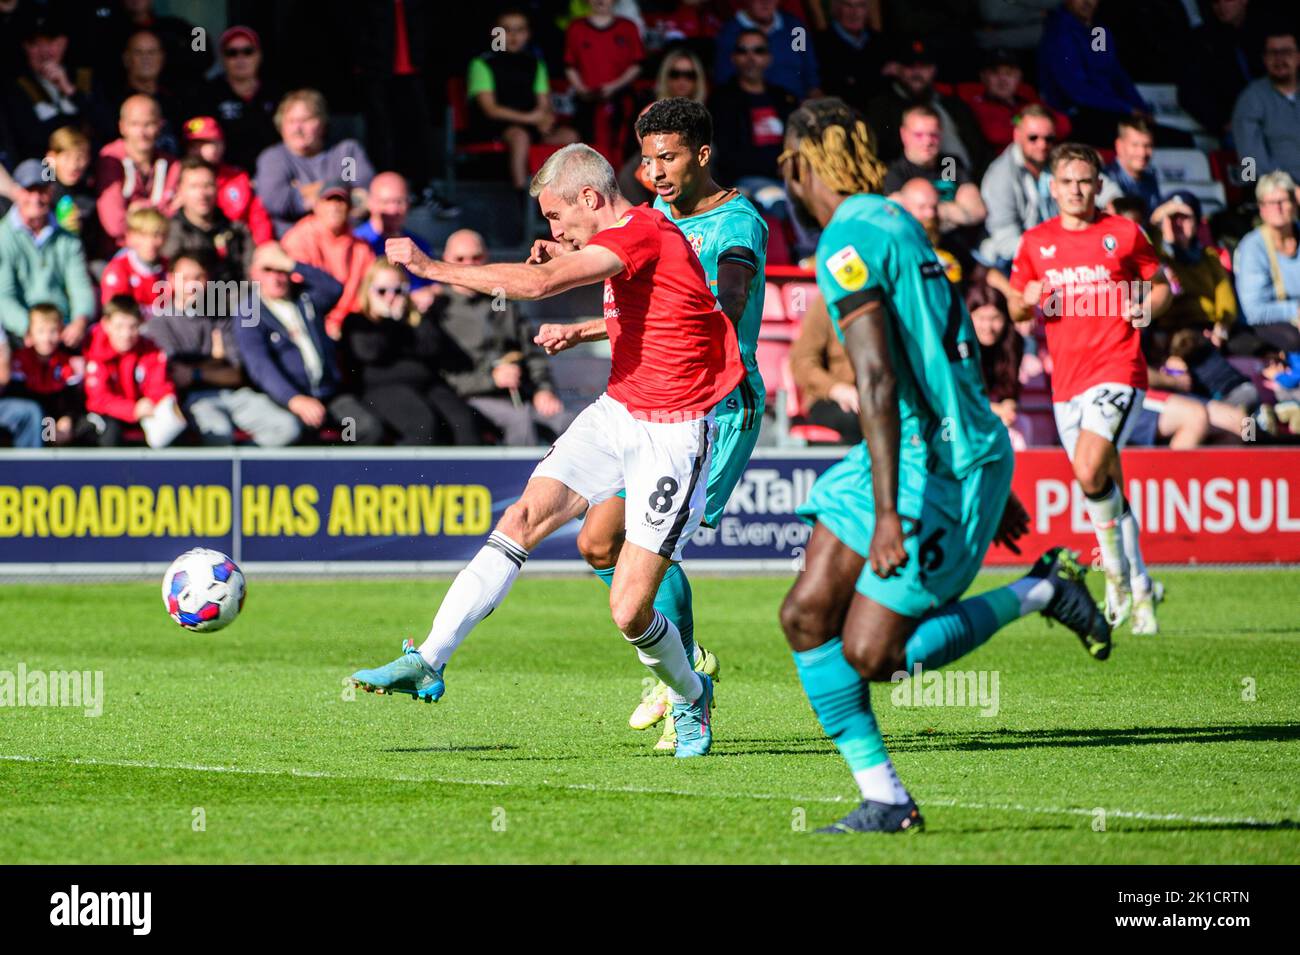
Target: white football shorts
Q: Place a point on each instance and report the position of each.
(662, 465)
(1106, 409)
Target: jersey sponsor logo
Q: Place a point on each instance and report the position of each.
(932, 270)
(848, 269)
(1047, 251)
(1082, 275)
(610, 303)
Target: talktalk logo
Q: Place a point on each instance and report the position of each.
(764, 491)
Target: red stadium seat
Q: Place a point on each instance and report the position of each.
(456, 122)
(798, 296)
(773, 355)
(812, 433)
(777, 324)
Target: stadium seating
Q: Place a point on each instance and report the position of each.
(1189, 169)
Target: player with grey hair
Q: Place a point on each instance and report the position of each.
(674, 357)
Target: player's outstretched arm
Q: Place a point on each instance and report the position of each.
(866, 337)
(517, 280)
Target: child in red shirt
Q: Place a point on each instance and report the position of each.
(126, 375)
(138, 270)
(47, 373)
(602, 57)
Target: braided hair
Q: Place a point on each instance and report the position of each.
(838, 145)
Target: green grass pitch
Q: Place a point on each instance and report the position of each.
(242, 746)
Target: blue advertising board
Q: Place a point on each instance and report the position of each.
(350, 509)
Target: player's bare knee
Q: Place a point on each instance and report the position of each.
(1092, 476)
(803, 623)
(629, 614)
(873, 660)
(519, 523)
(596, 549)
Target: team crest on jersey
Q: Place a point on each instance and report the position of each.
(1109, 244)
(697, 242)
(848, 269)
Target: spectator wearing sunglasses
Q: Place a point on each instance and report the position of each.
(395, 358)
(240, 101)
(681, 74)
(791, 66)
(1012, 184)
(749, 115)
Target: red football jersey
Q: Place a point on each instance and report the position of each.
(675, 354)
(48, 375)
(1092, 269)
(125, 274)
(602, 54)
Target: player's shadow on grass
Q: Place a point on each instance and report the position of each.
(1059, 737)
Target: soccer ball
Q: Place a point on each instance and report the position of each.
(203, 590)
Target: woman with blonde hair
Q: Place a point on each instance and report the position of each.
(1267, 269)
(394, 361)
(681, 74)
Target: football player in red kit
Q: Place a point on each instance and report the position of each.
(1097, 282)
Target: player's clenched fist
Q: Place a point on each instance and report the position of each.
(1014, 524)
(403, 251)
(1032, 293)
(887, 554)
(543, 251)
(556, 338)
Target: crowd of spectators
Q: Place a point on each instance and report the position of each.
(210, 236)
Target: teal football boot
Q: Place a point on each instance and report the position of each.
(408, 674)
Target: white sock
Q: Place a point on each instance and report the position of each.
(1105, 513)
(1035, 593)
(881, 783)
(475, 593)
(660, 648)
(1139, 580)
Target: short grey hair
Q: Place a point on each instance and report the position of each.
(573, 168)
(1278, 181)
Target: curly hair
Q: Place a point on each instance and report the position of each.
(679, 115)
(838, 144)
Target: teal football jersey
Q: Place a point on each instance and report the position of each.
(872, 249)
(735, 224)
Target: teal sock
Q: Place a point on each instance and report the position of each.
(673, 601)
(958, 629)
(842, 701)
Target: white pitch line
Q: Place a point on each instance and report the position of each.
(635, 790)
